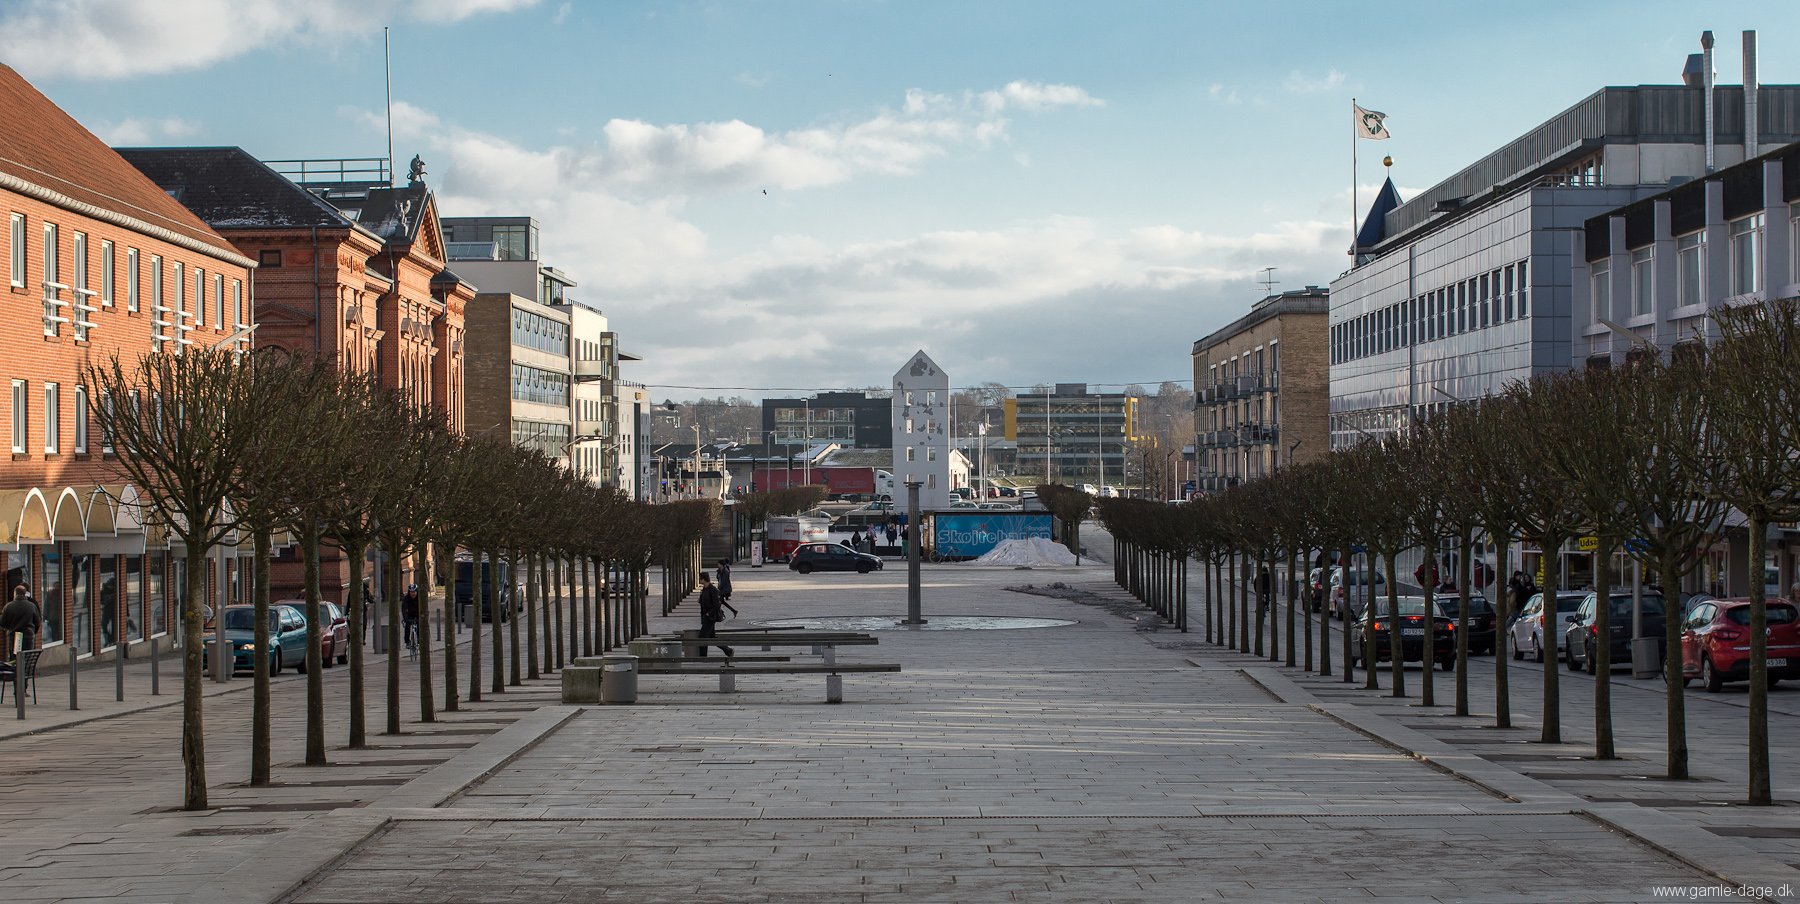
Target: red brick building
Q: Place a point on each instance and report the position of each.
(352, 271)
(98, 261)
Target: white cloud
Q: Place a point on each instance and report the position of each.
(134, 131)
(1301, 83)
(109, 39)
(1037, 96)
(1223, 94)
(752, 79)
(562, 14)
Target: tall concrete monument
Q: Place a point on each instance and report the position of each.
(922, 430)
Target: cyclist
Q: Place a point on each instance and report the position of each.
(409, 617)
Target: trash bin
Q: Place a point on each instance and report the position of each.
(618, 678)
(1646, 657)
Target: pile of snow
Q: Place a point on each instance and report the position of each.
(1035, 551)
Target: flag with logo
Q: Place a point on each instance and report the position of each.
(1370, 124)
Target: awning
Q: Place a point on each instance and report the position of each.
(24, 518)
(68, 518)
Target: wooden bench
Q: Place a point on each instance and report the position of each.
(728, 672)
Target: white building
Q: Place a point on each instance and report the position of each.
(921, 407)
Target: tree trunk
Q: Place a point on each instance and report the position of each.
(1262, 601)
(193, 723)
(512, 623)
(393, 635)
(1551, 556)
(1349, 642)
(1397, 652)
(1675, 714)
(1428, 645)
(1371, 678)
(587, 607)
(422, 573)
(1466, 582)
(359, 736)
(1603, 729)
(259, 694)
(1502, 633)
(531, 617)
(315, 660)
(481, 585)
(1244, 593)
(449, 558)
(1760, 792)
(502, 607)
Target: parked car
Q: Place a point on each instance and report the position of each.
(1528, 628)
(1007, 492)
(832, 557)
(1109, 492)
(1715, 642)
(963, 504)
(334, 630)
(1412, 634)
(999, 506)
(287, 638)
(1483, 621)
(1580, 639)
(1352, 609)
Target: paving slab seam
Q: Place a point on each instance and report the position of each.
(1734, 864)
(489, 816)
(449, 780)
(295, 877)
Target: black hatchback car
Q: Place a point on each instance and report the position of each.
(1583, 629)
(811, 557)
(1482, 620)
(1413, 629)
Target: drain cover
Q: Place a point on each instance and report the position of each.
(231, 830)
(932, 623)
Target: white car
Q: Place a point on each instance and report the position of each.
(1528, 627)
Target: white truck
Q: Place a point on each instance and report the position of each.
(782, 534)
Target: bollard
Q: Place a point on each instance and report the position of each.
(73, 669)
(155, 673)
(19, 683)
(437, 619)
(119, 671)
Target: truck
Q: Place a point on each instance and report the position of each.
(782, 534)
(495, 575)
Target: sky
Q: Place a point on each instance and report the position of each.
(777, 198)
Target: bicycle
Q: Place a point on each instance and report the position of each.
(412, 640)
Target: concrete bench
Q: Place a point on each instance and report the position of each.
(728, 673)
(822, 643)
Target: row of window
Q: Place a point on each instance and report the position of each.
(1745, 260)
(73, 302)
(533, 330)
(1479, 302)
(133, 595)
(549, 439)
(54, 425)
(1257, 361)
(531, 384)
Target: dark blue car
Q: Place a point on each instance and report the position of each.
(287, 638)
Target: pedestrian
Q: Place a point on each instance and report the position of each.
(22, 619)
(710, 614)
(723, 577)
(409, 613)
(1264, 584)
(856, 539)
(1522, 588)
(368, 604)
(891, 533)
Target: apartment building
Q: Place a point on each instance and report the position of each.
(1262, 387)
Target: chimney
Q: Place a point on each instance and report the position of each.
(1706, 82)
(1750, 91)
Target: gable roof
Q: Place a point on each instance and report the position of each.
(230, 189)
(1374, 227)
(46, 154)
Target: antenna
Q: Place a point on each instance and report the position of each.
(387, 65)
(1268, 280)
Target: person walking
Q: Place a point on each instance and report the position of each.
(856, 539)
(1265, 583)
(710, 605)
(723, 577)
(23, 620)
(368, 604)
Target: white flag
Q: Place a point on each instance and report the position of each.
(1369, 124)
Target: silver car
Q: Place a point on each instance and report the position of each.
(1528, 627)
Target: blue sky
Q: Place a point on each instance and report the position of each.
(1030, 191)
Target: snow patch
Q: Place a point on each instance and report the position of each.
(1035, 551)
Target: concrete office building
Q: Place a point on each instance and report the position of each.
(854, 419)
(1262, 387)
(519, 372)
(1072, 436)
(1470, 286)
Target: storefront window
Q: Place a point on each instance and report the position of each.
(134, 597)
(51, 599)
(111, 613)
(18, 571)
(81, 603)
(157, 587)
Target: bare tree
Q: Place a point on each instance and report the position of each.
(175, 422)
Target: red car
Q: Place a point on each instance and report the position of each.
(1715, 642)
(334, 630)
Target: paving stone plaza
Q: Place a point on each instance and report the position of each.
(1098, 761)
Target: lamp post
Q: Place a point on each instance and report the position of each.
(914, 615)
(807, 462)
(1100, 445)
(696, 455)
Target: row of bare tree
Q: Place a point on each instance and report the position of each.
(1658, 458)
(221, 446)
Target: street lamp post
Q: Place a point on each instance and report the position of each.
(696, 455)
(1099, 445)
(914, 614)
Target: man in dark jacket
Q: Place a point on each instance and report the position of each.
(723, 577)
(409, 612)
(711, 606)
(22, 618)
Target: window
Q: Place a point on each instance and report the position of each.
(179, 309)
(1746, 254)
(1642, 282)
(268, 257)
(199, 297)
(16, 271)
(909, 453)
(131, 280)
(1599, 290)
(20, 401)
(931, 454)
(159, 314)
(1524, 290)
(106, 273)
(218, 288)
(106, 437)
(81, 420)
(1482, 305)
(52, 428)
(237, 302)
(53, 318)
(82, 294)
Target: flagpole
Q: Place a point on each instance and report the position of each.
(1353, 192)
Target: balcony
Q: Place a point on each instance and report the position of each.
(595, 369)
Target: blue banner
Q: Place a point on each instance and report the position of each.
(965, 536)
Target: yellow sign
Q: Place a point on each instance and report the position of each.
(1587, 544)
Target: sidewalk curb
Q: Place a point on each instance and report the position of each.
(450, 779)
(1713, 855)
